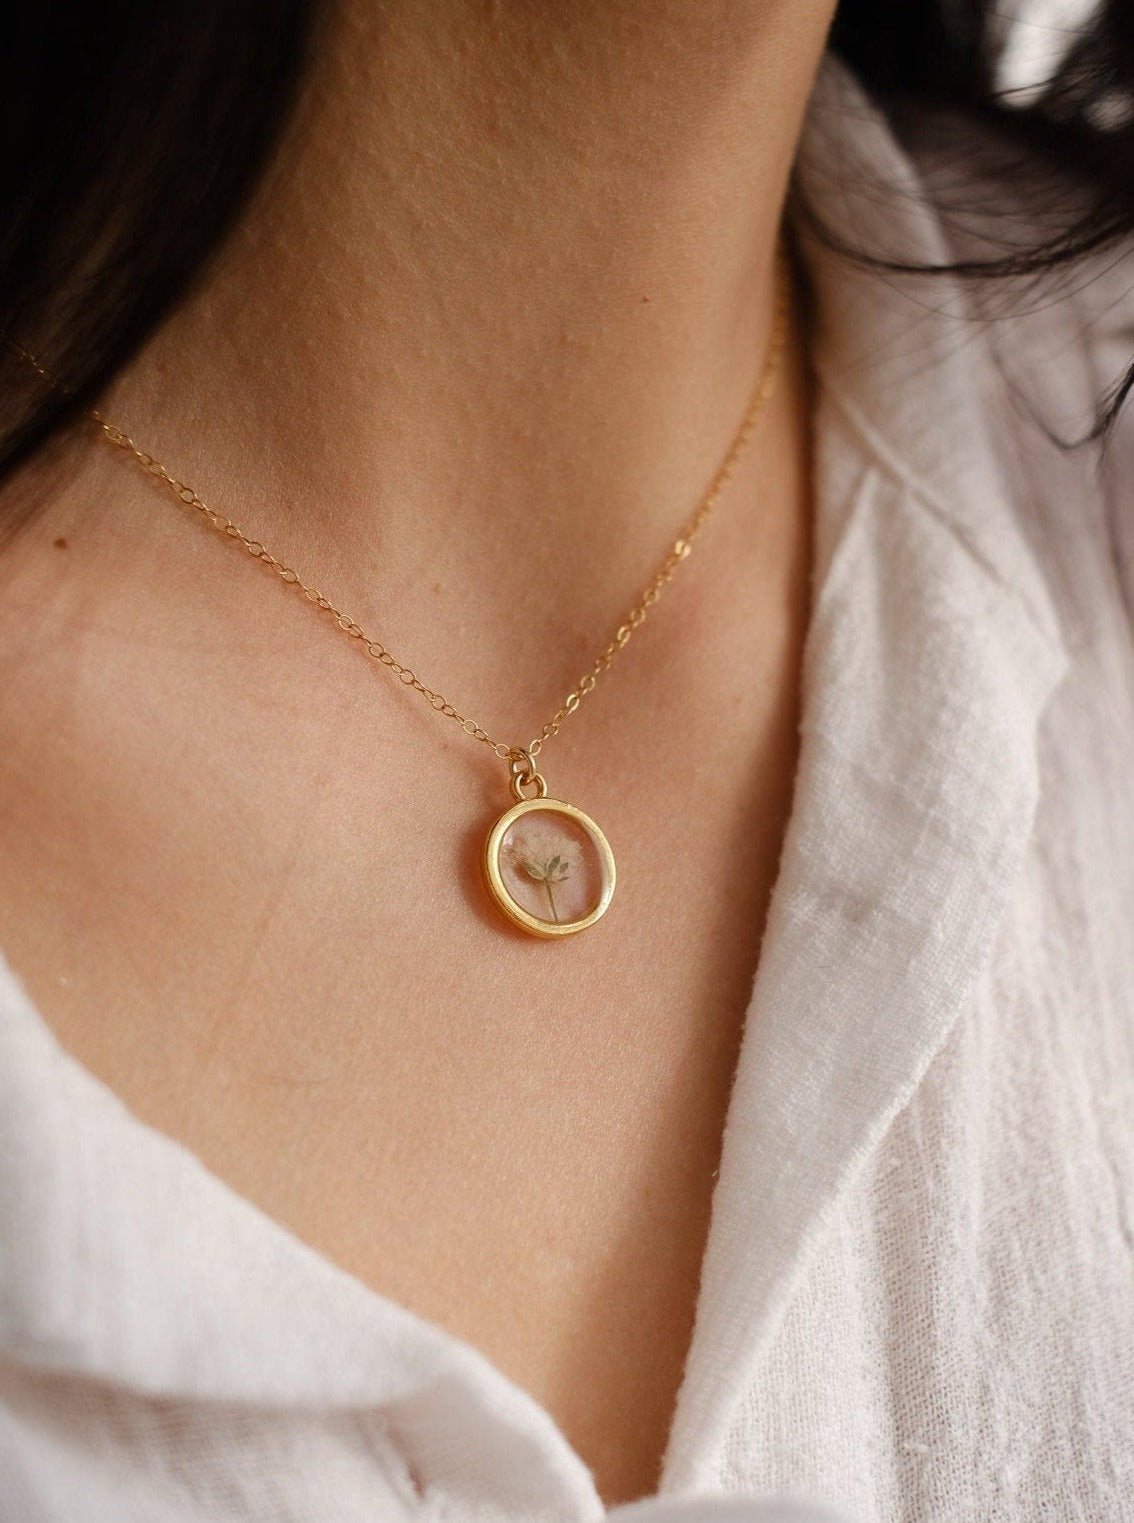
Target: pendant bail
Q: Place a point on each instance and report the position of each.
(524, 775)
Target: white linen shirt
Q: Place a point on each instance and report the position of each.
(917, 1299)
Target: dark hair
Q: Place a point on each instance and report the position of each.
(942, 55)
(132, 133)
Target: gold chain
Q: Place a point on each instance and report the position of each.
(678, 552)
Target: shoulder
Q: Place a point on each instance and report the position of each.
(899, 219)
(916, 189)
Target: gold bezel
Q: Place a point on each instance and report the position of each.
(516, 912)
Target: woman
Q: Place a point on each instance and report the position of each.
(801, 1168)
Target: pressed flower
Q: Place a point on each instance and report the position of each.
(546, 857)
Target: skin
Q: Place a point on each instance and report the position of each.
(473, 355)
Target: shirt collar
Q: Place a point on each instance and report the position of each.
(932, 650)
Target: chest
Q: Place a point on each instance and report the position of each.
(281, 954)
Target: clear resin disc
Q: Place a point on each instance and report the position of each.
(549, 867)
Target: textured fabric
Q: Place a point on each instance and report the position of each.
(917, 1301)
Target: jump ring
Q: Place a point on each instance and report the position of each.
(536, 780)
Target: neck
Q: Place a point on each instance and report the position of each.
(512, 259)
(501, 300)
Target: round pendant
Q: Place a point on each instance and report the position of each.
(549, 867)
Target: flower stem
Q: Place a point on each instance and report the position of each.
(551, 900)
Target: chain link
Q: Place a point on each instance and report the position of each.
(678, 552)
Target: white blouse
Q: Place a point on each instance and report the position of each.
(917, 1299)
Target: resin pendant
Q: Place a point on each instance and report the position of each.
(547, 864)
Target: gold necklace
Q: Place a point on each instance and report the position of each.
(546, 864)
